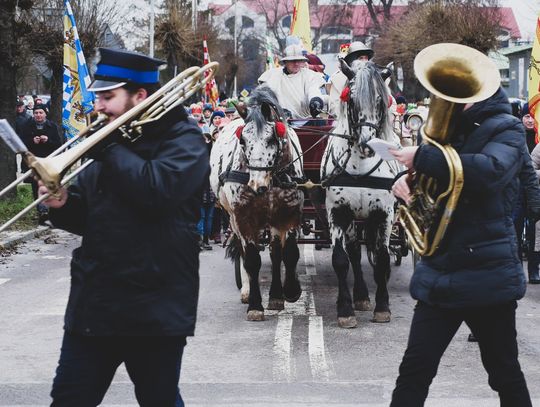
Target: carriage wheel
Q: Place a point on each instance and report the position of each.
(237, 272)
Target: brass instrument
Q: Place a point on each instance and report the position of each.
(51, 170)
(455, 75)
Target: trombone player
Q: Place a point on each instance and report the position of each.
(134, 279)
(475, 275)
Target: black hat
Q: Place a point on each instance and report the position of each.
(20, 103)
(400, 99)
(117, 68)
(40, 106)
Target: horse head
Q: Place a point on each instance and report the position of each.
(367, 104)
(263, 138)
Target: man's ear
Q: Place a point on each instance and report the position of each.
(140, 95)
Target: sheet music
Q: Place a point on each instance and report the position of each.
(381, 148)
(11, 138)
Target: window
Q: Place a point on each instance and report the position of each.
(286, 22)
(336, 31)
(230, 25)
(247, 22)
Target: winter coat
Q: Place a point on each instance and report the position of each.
(477, 263)
(136, 272)
(29, 130)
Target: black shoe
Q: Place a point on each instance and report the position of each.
(534, 277)
(472, 338)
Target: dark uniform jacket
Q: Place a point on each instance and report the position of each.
(137, 270)
(477, 263)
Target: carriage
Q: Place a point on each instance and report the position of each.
(266, 176)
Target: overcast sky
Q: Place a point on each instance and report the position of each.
(526, 12)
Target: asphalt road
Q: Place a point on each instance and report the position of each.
(297, 357)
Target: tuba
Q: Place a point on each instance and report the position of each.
(455, 75)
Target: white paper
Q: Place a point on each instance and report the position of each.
(381, 148)
(10, 137)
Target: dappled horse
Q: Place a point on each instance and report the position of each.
(254, 166)
(358, 187)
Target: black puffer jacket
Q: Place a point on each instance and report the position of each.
(136, 272)
(477, 263)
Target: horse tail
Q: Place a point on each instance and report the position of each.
(234, 248)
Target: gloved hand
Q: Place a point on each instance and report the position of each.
(315, 106)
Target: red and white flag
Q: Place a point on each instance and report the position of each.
(211, 87)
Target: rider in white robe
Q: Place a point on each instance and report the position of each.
(298, 88)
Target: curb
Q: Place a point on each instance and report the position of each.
(10, 239)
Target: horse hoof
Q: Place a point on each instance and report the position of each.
(255, 315)
(381, 316)
(362, 305)
(292, 294)
(244, 298)
(347, 322)
(276, 304)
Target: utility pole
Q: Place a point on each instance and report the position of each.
(151, 53)
(194, 14)
(235, 90)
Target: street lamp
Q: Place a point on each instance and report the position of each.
(235, 93)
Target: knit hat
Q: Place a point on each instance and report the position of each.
(525, 109)
(217, 113)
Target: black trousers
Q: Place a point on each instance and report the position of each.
(87, 366)
(433, 328)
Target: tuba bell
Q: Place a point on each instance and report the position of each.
(455, 75)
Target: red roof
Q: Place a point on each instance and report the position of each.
(359, 17)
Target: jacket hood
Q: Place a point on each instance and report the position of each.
(496, 104)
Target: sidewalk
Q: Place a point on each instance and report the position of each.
(9, 239)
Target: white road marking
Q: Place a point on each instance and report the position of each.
(309, 260)
(317, 357)
(4, 280)
(281, 369)
(50, 257)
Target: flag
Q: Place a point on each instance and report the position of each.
(77, 100)
(534, 79)
(300, 25)
(211, 89)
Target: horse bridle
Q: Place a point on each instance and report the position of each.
(355, 127)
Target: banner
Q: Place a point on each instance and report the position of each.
(211, 90)
(300, 25)
(77, 100)
(534, 79)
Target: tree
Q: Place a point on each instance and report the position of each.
(475, 23)
(11, 28)
(46, 39)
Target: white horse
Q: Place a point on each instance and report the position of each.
(358, 187)
(254, 166)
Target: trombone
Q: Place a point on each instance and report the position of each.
(51, 169)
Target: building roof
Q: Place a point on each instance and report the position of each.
(355, 16)
(515, 49)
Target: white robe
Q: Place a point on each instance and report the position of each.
(294, 91)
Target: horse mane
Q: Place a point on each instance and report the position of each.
(260, 99)
(369, 85)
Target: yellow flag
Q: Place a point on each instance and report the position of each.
(301, 26)
(534, 80)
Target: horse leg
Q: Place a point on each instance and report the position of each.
(360, 290)
(252, 264)
(275, 301)
(345, 311)
(244, 291)
(291, 288)
(379, 227)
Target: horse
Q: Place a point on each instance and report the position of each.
(358, 185)
(255, 164)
